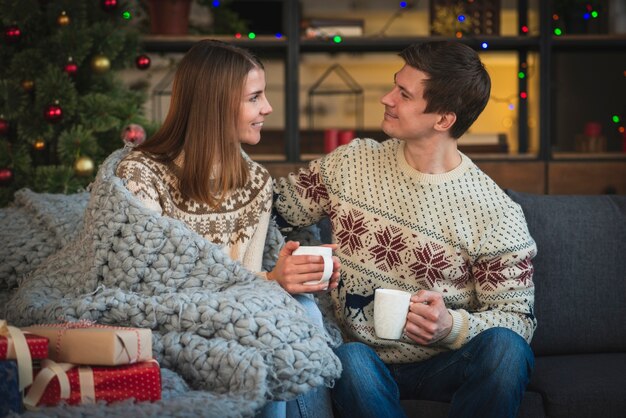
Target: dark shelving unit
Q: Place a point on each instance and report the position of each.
(291, 46)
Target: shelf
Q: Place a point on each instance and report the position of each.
(588, 156)
(181, 44)
(396, 44)
(589, 42)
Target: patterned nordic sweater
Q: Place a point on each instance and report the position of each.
(456, 233)
(239, 224)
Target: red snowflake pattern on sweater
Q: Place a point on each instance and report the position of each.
(310, 187)
(430, 265)
(526, 275)
(490, 274)
(461, 281)
(390, 243)
(353, 226)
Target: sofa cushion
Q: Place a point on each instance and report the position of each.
(580, 272)
(585, 385)
(531, 407)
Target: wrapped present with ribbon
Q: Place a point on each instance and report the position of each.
(85, 342)
(23, 347)
(37, 344)
(82, 385)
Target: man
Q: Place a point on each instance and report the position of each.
(413, 213)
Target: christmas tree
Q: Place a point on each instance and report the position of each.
(63, 107)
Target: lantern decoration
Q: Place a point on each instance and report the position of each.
(143, 62)
(133, 134)
(53, 113)
(100, 64)
(84, 166)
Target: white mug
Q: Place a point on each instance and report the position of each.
(391, 307)
(327, 255)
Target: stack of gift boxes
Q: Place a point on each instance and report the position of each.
(76, 363)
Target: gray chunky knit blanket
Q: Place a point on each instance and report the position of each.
(237, 339)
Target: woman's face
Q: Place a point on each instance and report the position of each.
(254, 108)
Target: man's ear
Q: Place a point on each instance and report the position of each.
(445, 121)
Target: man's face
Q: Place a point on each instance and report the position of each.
(404, 116)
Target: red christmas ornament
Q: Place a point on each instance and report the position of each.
(143, 62)
(133, 134)
(70, 68)
(12, 34)
(4, 126)
(53, 113)
(108, 5)
(6, 176)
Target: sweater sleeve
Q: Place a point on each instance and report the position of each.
(302, 198)
(503, 276)
(139, 180)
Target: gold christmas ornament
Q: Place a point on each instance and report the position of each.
(39, 144)
(28, 85)
(100, 64)
(63, 19)
(84, 166)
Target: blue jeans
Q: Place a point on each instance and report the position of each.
(314, 404)
(485, 378)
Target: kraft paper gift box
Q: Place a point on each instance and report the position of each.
(81, 385)
(92, 344)
(10, 395)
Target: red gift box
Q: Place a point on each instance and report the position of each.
(23, 347)
(86, 385)
(37, 345)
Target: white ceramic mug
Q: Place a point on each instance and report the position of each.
(327, 255)
(391, 307)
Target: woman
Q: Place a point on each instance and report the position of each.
(194, 170)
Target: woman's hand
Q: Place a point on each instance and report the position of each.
(293, 271)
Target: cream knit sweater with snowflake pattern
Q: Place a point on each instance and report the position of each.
(456, 233)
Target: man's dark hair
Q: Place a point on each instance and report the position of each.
(457, 80)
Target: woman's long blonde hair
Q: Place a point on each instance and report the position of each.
(202, 121)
